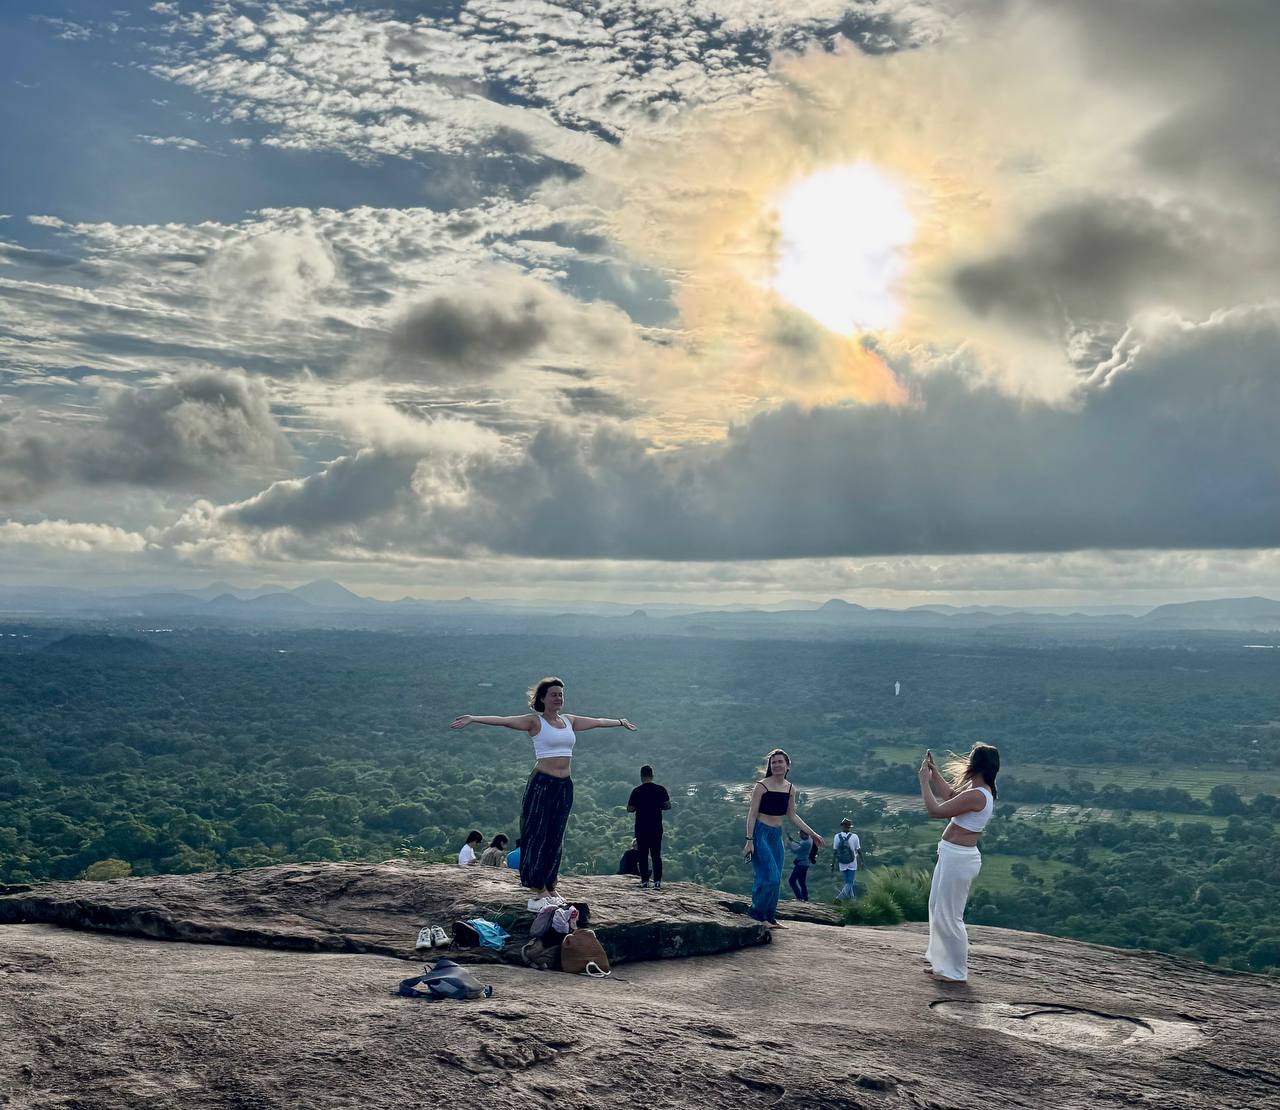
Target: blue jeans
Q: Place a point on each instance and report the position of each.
(767, 860)
(846, 891)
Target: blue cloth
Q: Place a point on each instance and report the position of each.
(513, 859)
(767, 860)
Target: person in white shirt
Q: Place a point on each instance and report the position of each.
(467, 856)
(845, 849)
(548, 795)
(965, 797)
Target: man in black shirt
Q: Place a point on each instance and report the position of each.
(647, 802)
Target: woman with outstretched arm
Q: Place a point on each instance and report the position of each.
(548, 795)
(966, 800)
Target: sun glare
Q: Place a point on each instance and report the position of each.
(843, 234)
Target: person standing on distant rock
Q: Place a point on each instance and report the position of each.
(772, 799)
(967, 797)
(648, 801)
(548, 795)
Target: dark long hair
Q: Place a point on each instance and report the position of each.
(499, 841)
(983, 759)
(768, 759)
(537, 694)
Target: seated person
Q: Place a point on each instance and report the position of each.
(630, 862)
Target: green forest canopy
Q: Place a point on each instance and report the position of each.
(199, 749)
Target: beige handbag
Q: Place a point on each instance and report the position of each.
(582, 953)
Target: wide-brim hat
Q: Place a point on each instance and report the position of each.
(846, 821)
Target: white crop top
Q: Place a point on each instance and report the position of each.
(976, 819)
(551, 741)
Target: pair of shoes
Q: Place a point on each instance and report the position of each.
(431, 936)
(657, 884)
(644, 884)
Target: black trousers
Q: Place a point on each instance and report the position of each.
(799, 882)
(650, 844)
(543, 817)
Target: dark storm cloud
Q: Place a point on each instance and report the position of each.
(1187, 219)
(349, 490)
(480, 330)
(181, 434)
(1175, 450)
(1093, 258)
(459, 336)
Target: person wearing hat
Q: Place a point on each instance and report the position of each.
(845, 849)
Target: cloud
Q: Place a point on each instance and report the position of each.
(415, 462)
(179, 141)
(73, 537)
(478, 331)
(275, 272)
(572, 82)
(1160, 454)
(1097, 261)
(171, 435)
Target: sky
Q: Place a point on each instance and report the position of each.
(902, 301)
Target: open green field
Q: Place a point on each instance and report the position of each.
(1196, 781)
(997, 872)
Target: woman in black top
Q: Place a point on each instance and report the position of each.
(772, 799)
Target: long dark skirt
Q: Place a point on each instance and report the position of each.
(543, 817)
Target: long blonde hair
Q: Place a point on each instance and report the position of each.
(983, 759)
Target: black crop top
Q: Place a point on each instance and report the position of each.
(775, 802)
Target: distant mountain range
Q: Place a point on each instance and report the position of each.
(329, 603)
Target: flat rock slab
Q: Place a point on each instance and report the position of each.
(820, 1018)
(379, 908)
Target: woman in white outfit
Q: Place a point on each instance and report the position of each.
(548, 795)
(966, 797)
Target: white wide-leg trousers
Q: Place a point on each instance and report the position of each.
(948, 950)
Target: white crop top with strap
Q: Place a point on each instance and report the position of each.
(976, 819)
(551, 741)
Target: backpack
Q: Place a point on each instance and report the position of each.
(581, 952)
(844, 850)
(445, 979)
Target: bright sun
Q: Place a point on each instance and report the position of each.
(844, 233)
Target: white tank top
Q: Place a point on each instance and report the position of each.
(551, 741)
(976, 819)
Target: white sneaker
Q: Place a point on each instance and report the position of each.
(425, 938)
(439, 937)
(537, 905)
(556, 900)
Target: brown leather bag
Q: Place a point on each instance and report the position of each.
(581, 951)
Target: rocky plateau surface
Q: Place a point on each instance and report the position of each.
(286, 999)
